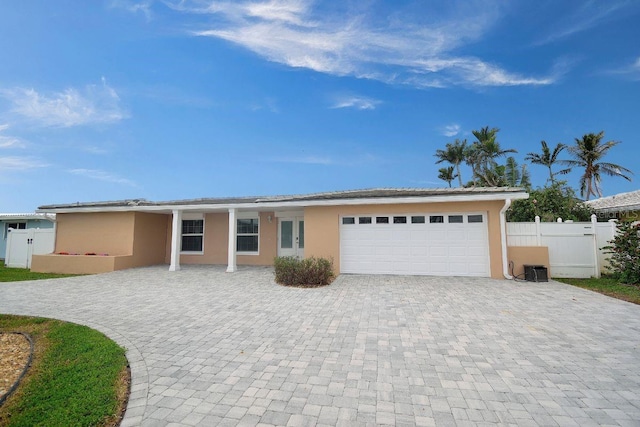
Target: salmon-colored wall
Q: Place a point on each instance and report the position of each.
(216, 242)
(79, 264)
(530, 255)
(150, 239)
(322, 226)
(130, 239)
(100, 232)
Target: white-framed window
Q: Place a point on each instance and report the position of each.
(192, 238)
(248, 234)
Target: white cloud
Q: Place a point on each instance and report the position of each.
(7, 141)
(451, 130)
(590, 14)
(631, 71)
(94, 104)
(143, 7)
(399, 50)
(103, 176)
(20, 163)
(357, 102)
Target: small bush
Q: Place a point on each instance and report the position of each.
(309, 272)
(625, 253)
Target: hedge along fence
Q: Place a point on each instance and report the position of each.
(309, 272)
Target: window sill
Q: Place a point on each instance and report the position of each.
(191, 252)
(248, 253)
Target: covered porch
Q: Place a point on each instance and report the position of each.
(233, 236)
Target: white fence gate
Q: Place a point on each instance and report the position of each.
(575, 248)
(22, 244)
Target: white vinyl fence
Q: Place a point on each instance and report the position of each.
(575, 248)
(22, 244)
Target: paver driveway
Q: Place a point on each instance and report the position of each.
(211, 348)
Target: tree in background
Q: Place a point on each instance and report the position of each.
(515, 176)
(482, 156)
(587, 154)
(447, 174)
(550, 203)
(548, 158)
(454, 154)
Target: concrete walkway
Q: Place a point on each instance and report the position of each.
(211, 348)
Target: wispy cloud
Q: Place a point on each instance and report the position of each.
(450, 130)
(357, 102)
(631, 71)
(94, 104)
(143, 7)
(400, 50)
(20, 163)
(103, 176)
(590, 14)
(267, 104)
(7, 141)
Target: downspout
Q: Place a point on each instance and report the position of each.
(503, 239)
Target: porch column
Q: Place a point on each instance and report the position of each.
(233, 228)
(176, 231)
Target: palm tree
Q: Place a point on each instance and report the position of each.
(454, 154)
(587, 153)
(484, 153)
(447, 174)
(548, 158)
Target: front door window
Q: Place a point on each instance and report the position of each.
(291, 237)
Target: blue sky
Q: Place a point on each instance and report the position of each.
(104, 100)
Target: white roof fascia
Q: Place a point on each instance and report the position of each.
(261, 206)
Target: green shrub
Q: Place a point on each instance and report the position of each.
(309, 272)
(625, 253)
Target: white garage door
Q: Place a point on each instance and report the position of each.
(452, 244)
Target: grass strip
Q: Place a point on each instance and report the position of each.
(20, 274)
(78, 377)
(607, 286)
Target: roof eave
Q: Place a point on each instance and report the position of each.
(254, 206)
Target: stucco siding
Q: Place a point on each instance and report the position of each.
(216, 242)
(150, 234)
(109, 233)
(530, 255)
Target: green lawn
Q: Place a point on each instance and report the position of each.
(20, 274)
(79, 377)
(607, 286)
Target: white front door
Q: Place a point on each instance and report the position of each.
(291, 237)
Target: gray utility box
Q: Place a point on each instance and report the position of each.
(536, 273)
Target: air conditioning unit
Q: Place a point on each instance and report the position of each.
(536, 273)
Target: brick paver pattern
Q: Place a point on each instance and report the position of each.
(213, 348)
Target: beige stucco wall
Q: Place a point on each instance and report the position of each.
(100, 232)
(78, 264)
(533, 255)
(216, 242)
(131, 239)
(322, 226)
(150, 238)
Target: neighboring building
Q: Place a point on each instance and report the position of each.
(445, 232)
(22, 222)
(618, 206)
